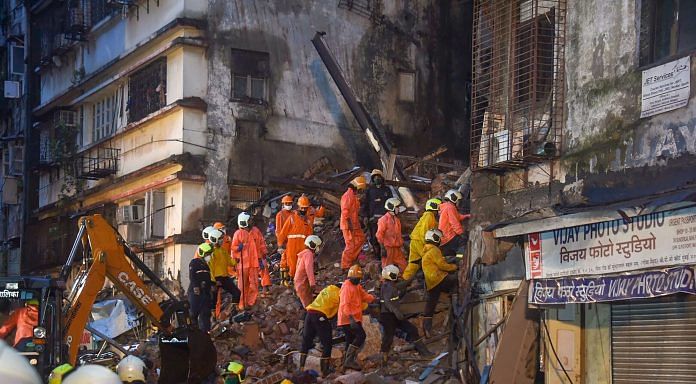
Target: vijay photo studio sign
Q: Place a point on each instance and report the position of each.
(654, 240)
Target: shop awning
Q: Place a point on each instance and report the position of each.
(547, 219)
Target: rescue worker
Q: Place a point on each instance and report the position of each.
(58, 373)
(438, 278)
(293, 234)
(90, 374)
(376, 196)
(281, 217)
(200, 287)
(305, 281)
(226, 239)
(220, 263)
(353, 300)
(23, 320)
(450, 224)
(245, 252)
(390, 316)
(132, 370)
(318, 324)
(427, 221)
(389, 235)
(260, 243)
(350, 222)
(15, 368)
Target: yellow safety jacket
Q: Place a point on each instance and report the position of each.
(326, 301)
(427, 221)
(219, 262)
(435, 268)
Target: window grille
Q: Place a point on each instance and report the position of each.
(518, 82)
(147, 90)
(105, 114)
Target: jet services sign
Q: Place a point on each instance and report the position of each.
(654, 240)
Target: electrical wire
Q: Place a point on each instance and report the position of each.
(553, 349)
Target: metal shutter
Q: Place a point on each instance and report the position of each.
(654, 341)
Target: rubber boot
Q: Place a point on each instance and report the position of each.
(427, 327)
(350, 361)
(422, 349)
(303, 359)
(325, 365)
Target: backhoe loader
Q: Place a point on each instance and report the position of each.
(187, 355)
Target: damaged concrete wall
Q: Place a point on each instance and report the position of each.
(303, 116)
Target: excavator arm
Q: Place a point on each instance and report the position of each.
(106, 255)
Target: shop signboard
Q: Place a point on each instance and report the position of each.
(650, 241)
(592, 289)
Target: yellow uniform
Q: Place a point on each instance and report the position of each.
(326, 301)
(426, 222)
(219, 262)
(435, 268)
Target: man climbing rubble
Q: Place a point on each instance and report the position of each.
(427, 221)
(200, 287)
(286, 211)
(350, 222)
(318, 324)
(305, 281)
(391, 318)
(246, 254)
(438, 278)
(292, 236)
(220, 264)
(389, 235)
(450, 224)
(376, 196)
(353, 300)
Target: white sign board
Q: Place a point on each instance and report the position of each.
(660, 239)
(666, 87)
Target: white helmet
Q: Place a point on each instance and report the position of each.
(391, 204)
(131, 369)
(433, 236)
(15, 368)
(312, 242)
(453, 195)
(243, 220)
(92, 373)
(216, 236)
(390, 272)
(206, 232)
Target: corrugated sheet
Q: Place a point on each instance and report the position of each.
(654, 341)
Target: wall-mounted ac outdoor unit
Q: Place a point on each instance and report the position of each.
(13, 89)
(129, 214)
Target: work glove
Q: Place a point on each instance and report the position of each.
(240, 247)
(281, 250)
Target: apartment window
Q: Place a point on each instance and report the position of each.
(147, 90)
(105, 113)
(16, 63)
(534, 56)
(250, 74)
(12, 159)
(667, 28)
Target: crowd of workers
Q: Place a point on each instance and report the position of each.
(365, 207)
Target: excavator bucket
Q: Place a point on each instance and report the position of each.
(187, 355)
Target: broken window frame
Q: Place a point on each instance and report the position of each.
(147, 90)
(675, 41)
(105, 115)
(249, 67)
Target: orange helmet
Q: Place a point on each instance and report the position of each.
(355, 271)
(303, 202)
(287, 199)
(359, 182)
(218, 225)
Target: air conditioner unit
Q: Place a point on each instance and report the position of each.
(13, 89)
(65, 117)
(129, 214)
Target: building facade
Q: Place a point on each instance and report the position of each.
(584, 145)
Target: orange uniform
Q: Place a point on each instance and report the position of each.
(389, 235)
(295, 229)
(304, 276)
(450, 221)
(260, 243)
(351, 303)
(227, 246)
(313, 213)
(247, 266)
(24, 320)
(350, 226)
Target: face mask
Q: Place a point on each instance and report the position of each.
(379, 181)
(287, 207)
(206, 258)
(355, 280)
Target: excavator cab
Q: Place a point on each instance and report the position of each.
(38, 345)
(186, 353)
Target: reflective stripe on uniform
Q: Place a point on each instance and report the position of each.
(296, 236)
